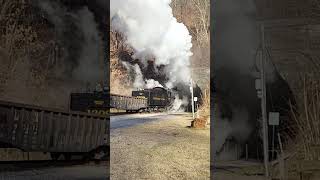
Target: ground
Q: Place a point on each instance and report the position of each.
(159, 146)
(234, 176)
(238, 170)
(253, 170)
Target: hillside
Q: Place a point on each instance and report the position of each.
(47, 51)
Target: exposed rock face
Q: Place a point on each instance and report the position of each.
(292, 38)
(45, 60)
(275, 9)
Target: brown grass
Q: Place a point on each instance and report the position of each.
(204, 110)
(307, 118)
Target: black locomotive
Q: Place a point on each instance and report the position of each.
(96, 102)
(157, 97)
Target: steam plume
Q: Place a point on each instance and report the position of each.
(139, 81)
(154, 33)
(77, 32)
(178, 104)
(237, 42)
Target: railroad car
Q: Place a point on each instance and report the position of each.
(38, 129)
(100, 102)
(128, 103)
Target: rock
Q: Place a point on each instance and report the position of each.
(199, 123)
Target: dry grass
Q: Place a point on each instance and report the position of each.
(204, 110)
(307, 118)
(304, 147)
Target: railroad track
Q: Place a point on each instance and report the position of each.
(7, 166)
(121, 113)
(127, 113)
(54, 170)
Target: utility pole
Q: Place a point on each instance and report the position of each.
(192, 102)
(263, 104)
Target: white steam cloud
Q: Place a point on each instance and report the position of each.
(139, 81)
(78, 34)
(151, 83)
(177, 105)
(153, 32)
(238, 127)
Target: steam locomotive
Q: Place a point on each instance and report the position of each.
(157, 97)
(99, 102)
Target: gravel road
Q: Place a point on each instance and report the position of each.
(158, 146)
(124, 121)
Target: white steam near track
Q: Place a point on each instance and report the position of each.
(153, 32)
(140, 82)
(177, 105)
(238, 127)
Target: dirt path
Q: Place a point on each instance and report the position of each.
(164, 149)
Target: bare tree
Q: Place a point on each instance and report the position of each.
(202, 19)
